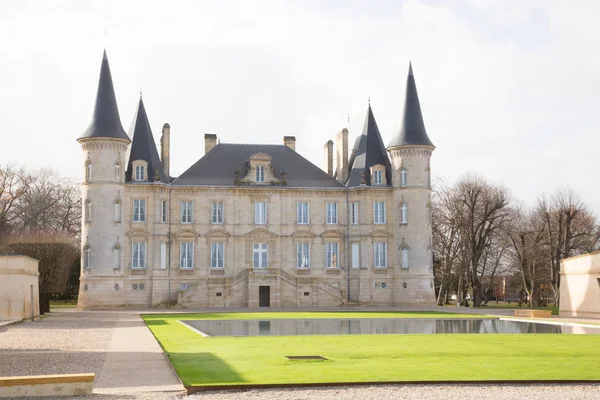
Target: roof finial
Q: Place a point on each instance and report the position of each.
(140, 93)
(369, 101)
(348, 117)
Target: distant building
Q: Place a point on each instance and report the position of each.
(580, 286)
(252, 224)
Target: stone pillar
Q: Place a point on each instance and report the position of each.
(210, 141)
(165, 148)
(290, 141)
(341, 145)
(329, 157)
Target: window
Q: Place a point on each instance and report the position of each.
(164, 207)
(302, 255)
(302, 213)
(185, 286)
(117, 210)
(139, 173)
(260, 212)
(377, 177)
(116, 252)
(260, 173)
(138, 259)
(139, 210)
(88, 211)
(186, 212)
(217, 212)
(186, 255)
(88, 171)
(331, 255)
(216, 255)
(403, 177)
(404, 213)
(260, 255)
(380, 254)
(87, 257)
(117, 172)
(332, 213)
(163, 255)
(379, 212)
(354, 213)
(404, 258)
(355, 255)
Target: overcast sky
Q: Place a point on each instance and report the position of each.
(509, 89)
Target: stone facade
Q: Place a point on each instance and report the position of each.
(175, 250)
(580, 286)
(19, 287)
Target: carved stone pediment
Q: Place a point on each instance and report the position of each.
(260, 233)
(303, 234)
(217, 233)
(186, 233)
(139, 232)
(379, 233)
(332, 234)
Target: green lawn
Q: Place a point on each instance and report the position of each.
(515, 306)
(63, 304)
(376, 358)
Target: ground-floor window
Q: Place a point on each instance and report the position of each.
(260, 255)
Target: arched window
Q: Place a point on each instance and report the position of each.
(88, 171)
(404, 257)
(117, 210)
(403, 177)
(404, 213)
(88, 211)
(117, 172)
(116, 253)
(87, 256)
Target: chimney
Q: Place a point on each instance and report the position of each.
(210, 141)
(329, 157)
(290, 141)
(165, 148)
(342, 155)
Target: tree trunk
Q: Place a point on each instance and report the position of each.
(44, 303)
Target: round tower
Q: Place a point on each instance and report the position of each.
(104, 145)
(410, 151)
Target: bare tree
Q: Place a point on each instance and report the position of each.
(14, 184)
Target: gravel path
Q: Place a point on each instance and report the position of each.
(70, 342)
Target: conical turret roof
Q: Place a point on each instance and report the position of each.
(368, 151)
(106, 122)
(411, 129)
(143, 147)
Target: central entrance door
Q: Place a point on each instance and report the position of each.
(264, 296)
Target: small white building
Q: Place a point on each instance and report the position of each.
(19, 288)
(580, 286)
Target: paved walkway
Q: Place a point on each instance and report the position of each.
(116, 346)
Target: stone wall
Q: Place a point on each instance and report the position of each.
(580, 286)
(19, 288)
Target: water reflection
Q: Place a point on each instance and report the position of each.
(293, 327)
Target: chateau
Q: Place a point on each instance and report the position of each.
(252, 225)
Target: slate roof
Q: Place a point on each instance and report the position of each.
(106, 122)
(411, 130)
(218, 167)
(143, 147)
(368, 151)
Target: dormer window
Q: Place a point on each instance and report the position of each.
(377, 180)
(139, 173)
(260, 173)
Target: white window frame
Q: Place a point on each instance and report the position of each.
(139, 173)
(303, 255)
(379, 216)
(163, 255)
(260, 212)
(187, 211)
(217, 214)
(331, 213)
(138, 255)
(217, 255)
(377, 177)
(403, 177)
(380, 254)
(332, 249)
(354, 213)
(260, 173)
(303, 212)
(260, 253)
(355, 255)
(139, 210)
(186, 255)
(164, 211)
(404, 213)
(117, 172)
(405, 260)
